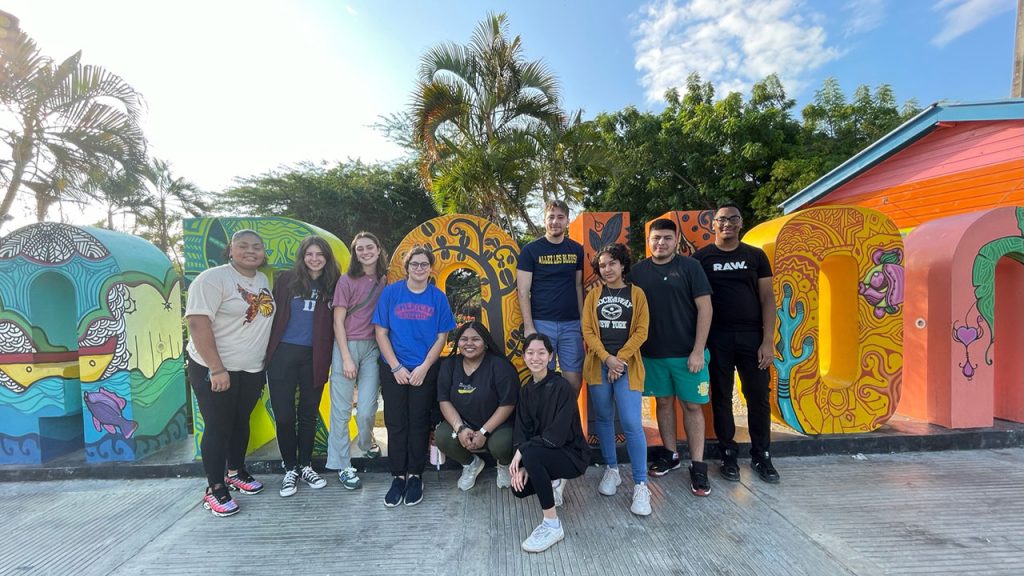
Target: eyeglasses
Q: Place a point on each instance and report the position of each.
(728, 220)
(419, 264)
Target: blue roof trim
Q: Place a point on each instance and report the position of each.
(903, 136)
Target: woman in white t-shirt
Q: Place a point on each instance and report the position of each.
(354, 366)
(230, 311)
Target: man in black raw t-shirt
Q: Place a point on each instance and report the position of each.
(742, 330)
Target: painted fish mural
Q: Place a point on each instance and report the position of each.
(107, 411)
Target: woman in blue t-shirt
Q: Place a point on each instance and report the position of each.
(299, 356)
(412, 320)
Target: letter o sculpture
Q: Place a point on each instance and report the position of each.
(839, 282)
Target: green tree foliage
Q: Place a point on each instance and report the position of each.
(489, 132)
(700, 151)
(388, 200)
(834, 129)
(65, 126)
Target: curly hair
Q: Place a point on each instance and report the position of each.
(618, 252)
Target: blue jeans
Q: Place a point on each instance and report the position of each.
(630, 407)
(567, 338)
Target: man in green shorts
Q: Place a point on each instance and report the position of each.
(675, 359)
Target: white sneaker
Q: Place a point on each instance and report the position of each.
(309, 476)
(288, 487)
(609, 482)
(641, 500)
(558, 487)
(543, 537)
(504, 476)
(469, 473)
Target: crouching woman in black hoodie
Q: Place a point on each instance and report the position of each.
(548, 440)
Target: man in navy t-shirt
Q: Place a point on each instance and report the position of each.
(741, 340)
(550, 282)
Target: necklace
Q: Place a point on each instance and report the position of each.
(617, 291)
(469, 370)
(243, 279)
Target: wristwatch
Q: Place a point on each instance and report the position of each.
(455, 433)
(485, 432)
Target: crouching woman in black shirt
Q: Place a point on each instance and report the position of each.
(548, 439)
(477, 390)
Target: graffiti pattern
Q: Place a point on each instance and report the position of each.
(79, 306)
(805, 399)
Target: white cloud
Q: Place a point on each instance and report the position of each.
(351, 10)
(961, 16)
(732, 43)
(863, 16)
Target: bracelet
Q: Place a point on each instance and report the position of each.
(395, 370)
(216, 372)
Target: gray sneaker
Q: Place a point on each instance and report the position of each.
(288, 487)
(609, 482)
(558, 487)
(349, 480)
(641, 500)
(469, 473)
(504, 476)
(543, 537)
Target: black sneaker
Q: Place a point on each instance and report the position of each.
(730, 469)
(413, 490)
(665, 464)
(699, 484)
(396, 493)
(763, 466)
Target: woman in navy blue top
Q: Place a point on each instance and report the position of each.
(299, 356)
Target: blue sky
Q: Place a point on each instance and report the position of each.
(236, 88)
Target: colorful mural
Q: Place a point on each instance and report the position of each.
(838, 276)
(595, 230)
(965, 277)
(694, 229)
(90, 346)
(206, 241)
(460, 241)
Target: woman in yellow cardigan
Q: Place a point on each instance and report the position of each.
(615, 321)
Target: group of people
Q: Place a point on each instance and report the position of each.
(670, 326)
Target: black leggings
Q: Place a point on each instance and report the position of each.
(543, 465)
(291, 367)
(409, 412)
(738, 351)
(225, 418)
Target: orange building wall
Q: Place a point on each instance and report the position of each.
(957, 168)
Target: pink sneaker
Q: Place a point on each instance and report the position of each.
(219, 502)
(243, 482)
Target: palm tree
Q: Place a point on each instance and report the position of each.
(167, 200)
(66, 126)
(473, 111)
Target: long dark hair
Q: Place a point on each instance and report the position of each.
(302, 282)
(492, 346)
(355, 269)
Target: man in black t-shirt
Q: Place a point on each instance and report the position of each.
(550, 282)
(674, 355)
(741, 340)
